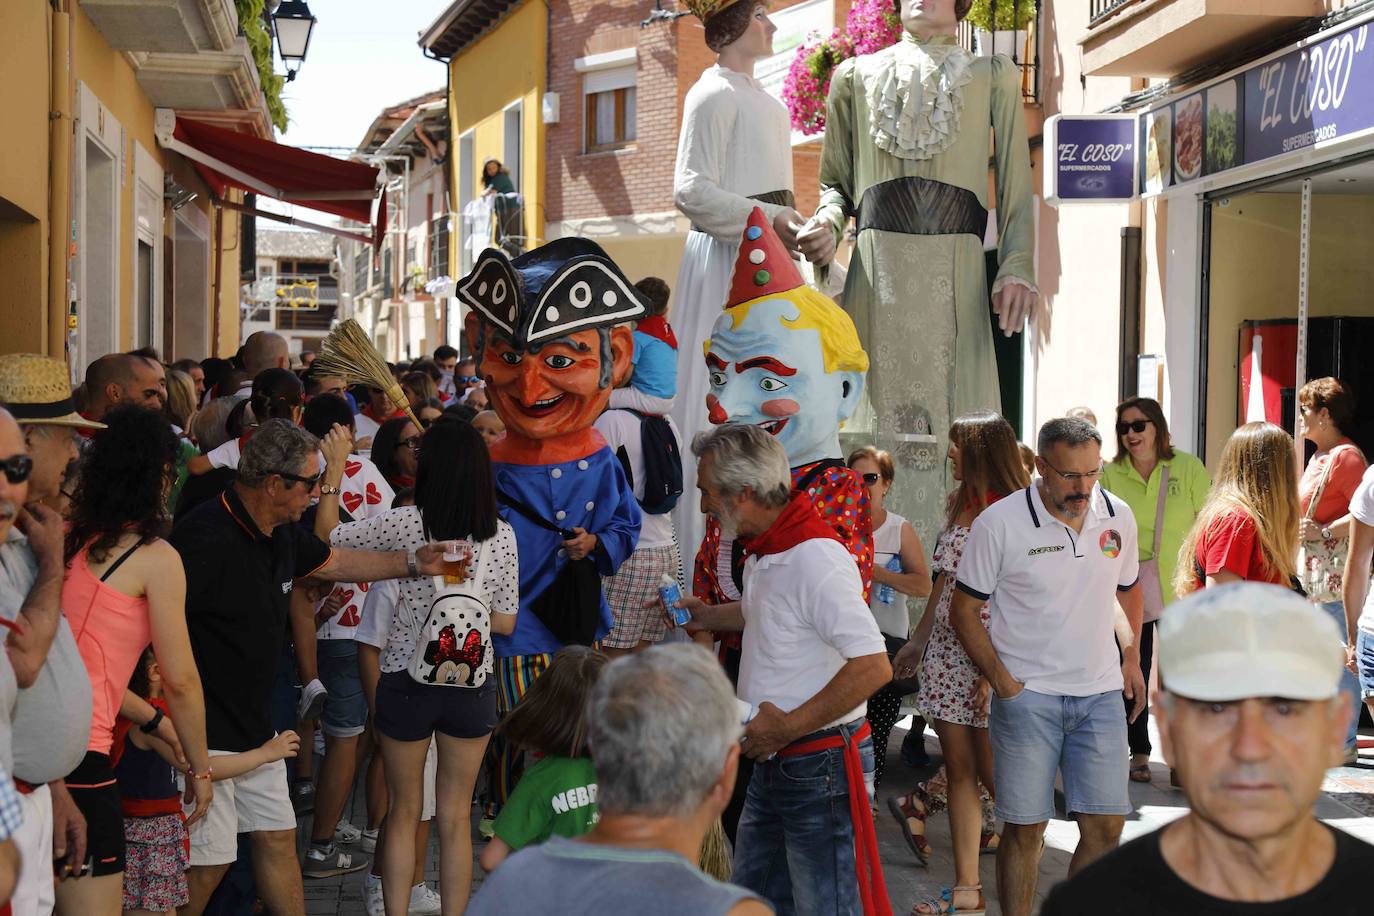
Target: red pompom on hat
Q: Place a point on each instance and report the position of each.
(764, 266)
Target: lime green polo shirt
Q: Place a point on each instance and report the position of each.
(1188, 486)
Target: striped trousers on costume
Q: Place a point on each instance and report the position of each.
(505, 762)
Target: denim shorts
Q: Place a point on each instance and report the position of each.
(410, 711)
(1035, 734)
(1364, 657)
(345, 710)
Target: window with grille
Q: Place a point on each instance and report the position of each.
(609, 110)
(438, 246)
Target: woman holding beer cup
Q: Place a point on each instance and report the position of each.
(437, 674)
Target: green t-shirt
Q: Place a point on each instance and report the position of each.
(556, 796)
(1188, 487)
(185, 452)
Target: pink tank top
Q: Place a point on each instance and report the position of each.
(112, 630)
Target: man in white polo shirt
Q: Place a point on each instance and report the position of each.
(811, 656)
(1048, 561)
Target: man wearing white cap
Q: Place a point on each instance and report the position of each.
(1251, 715)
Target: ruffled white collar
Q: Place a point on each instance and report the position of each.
(917, 96)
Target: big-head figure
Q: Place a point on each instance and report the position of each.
(552, 341)
(787, 358)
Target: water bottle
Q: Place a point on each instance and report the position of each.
(886, 593)
(671, 594)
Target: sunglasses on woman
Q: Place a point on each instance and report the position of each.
(17, 468)
(870, 479)
(1135, 426)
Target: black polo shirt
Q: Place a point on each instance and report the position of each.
(238, 590)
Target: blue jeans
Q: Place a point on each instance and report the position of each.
(795, 844)
(1350, 682)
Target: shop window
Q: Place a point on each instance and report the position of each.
(609, 109)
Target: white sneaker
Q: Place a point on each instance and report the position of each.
(424, 901)
(312, 700)
(347, 834)
(369, 841)
(372, 896)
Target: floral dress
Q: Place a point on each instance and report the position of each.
(947, 673)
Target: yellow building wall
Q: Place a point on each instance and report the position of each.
(504, 66)
(1254, 263)
(24, 176)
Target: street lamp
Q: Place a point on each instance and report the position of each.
(293, 23)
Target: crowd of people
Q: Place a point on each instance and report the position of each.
(205, 564)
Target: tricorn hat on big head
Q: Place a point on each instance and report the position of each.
(566, 286)
(36, 390)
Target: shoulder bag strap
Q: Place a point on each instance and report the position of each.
(525, 510)
(1159, 512)
(1321, 485)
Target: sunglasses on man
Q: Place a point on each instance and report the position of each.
(308, 481)
(17, 468)
(1135, 426)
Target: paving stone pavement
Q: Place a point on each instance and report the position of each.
(1347, 802)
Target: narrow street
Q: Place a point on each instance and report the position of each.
(1347, 803)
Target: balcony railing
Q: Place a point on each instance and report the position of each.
(1018, 38)
(1099, 10)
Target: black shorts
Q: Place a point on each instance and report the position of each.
(93, 789)
(410, 711)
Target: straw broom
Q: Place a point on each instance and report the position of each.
(348, 354)
(715, 852)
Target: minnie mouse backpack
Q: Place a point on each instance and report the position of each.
(451, 648)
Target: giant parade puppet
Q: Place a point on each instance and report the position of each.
(906, 155)
(734, 154)
(787, 358)
(552, 340)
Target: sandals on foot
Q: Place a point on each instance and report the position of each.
(1140, 768)
(944, 904)
(911, 814)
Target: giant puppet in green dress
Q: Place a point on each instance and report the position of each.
(907, 136)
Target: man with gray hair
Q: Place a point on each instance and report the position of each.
(1251, 715)
(811, 655)
(664, 728)
(1048, 561)
(242, 553)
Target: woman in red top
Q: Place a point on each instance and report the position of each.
(1248, 528)
(1326, 408)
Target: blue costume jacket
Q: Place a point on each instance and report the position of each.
(590, 493)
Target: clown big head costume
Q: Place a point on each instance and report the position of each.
(787, 358)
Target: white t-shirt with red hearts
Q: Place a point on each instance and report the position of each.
(363, 494)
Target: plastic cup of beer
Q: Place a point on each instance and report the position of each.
(457, 555)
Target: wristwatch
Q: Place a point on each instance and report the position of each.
(411, 566)
(151, 725)
(327, 490)
(1326, 534)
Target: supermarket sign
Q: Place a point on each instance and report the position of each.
(1319, 93)
(1093, 158)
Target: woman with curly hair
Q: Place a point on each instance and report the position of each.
(125, 588)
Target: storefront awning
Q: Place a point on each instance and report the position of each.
(226, 158)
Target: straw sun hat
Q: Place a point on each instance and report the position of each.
(35, 390)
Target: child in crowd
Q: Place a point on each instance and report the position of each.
(653, 385)
(557, 795)
(383, 599)
(157, 849)
(489, 424)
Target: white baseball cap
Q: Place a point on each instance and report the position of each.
(1246, 639)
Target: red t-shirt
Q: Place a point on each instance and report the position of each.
(1231, 543)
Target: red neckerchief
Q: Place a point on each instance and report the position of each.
(84, 431)
(402, 481)
(247, 434)
(798, 522)
(658, 328)
(371, 415)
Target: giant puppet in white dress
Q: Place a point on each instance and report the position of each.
(734, 154)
